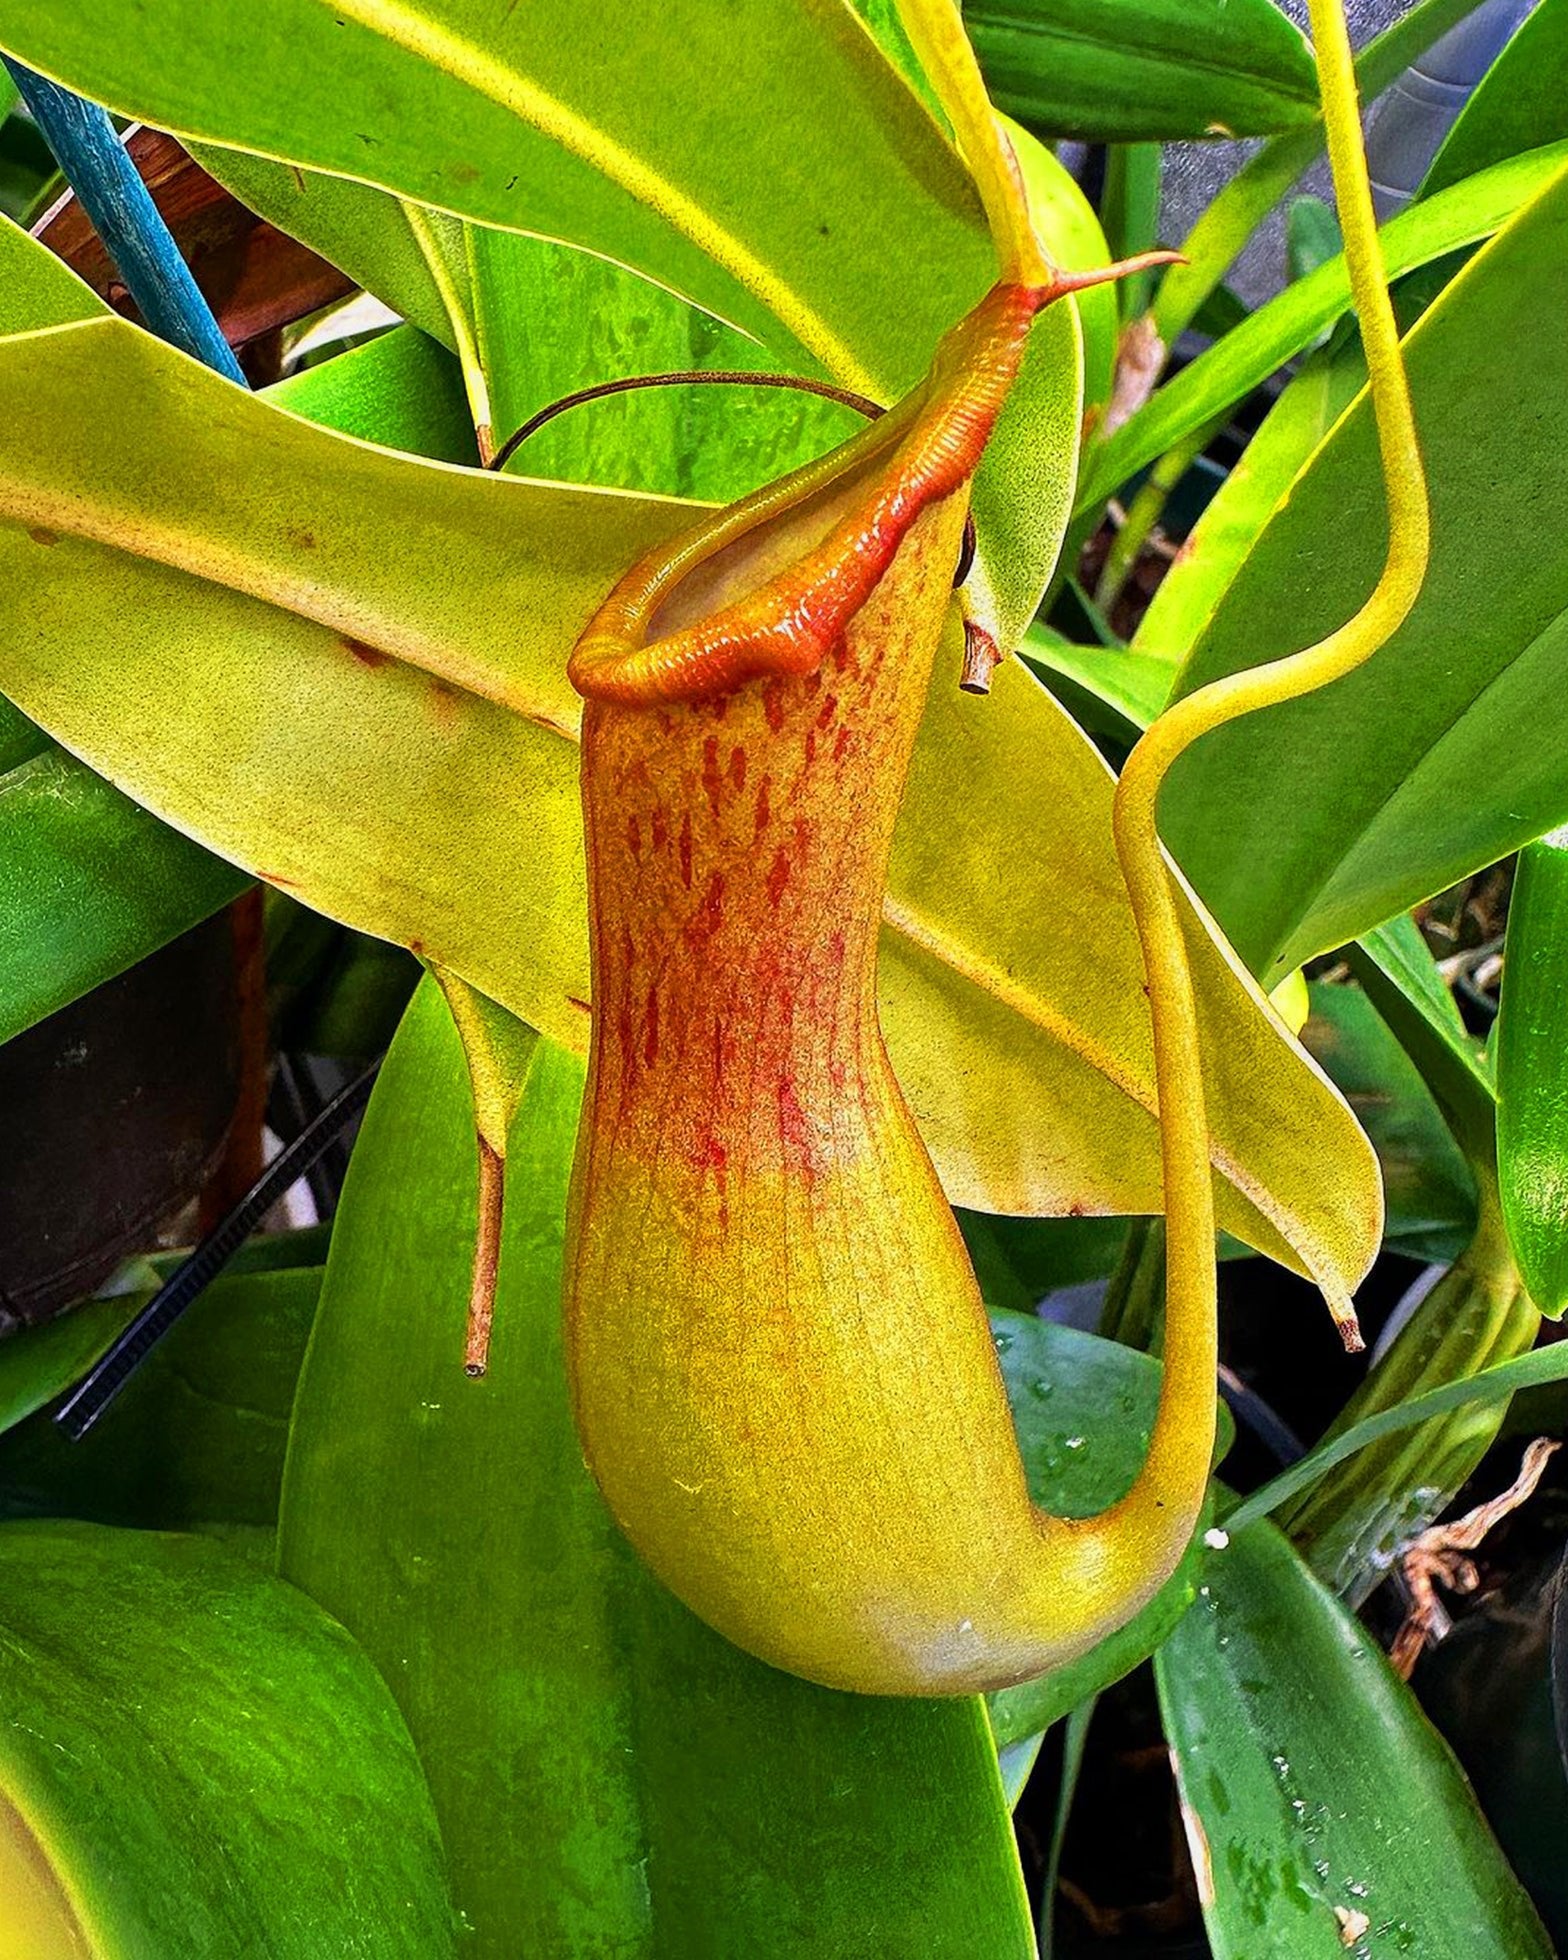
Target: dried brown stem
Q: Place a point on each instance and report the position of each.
(487, 1260)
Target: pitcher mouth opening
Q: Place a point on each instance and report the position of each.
(768, 586)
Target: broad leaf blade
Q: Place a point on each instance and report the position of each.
(609, 1773)
(1315, 1786)
(1366, 789)
(204, 1760)
(1144, 69)
(1532, 1073)
(90, 883)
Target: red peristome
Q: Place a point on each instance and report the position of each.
(790, 623)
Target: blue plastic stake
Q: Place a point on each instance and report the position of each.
(126, 219)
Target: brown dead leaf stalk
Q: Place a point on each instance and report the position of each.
(1440, 1557)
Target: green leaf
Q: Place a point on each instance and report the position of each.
(1532, 1073)
(1521, 103)
(1129, 683)
(363, 231)
(195, 1759)
(1326, 1815)
(1367, 790)
(1083, 1408)
(1394, 965)
(1312, 236)
(39, 1363)
(324, 637)
(610, 1775)
(547, 320)
(517, 119)
(1066, 223)
(1228, 372)
(1130, 203)
(401, 390)
(197, 1437)
(550, 321)
(89, 885)
(1144, 69)
(1429, 1188)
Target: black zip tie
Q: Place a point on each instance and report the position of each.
(104, 1381)
(723, 378)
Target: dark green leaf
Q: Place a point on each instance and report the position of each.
(1326, 1815)
(90, 883)
(1394, 965)
(610, 1775)
(1143, 69)
(1429, 1188)
(1083, 1408)
(201, 1761)
(198, 1436)
(1532, 1073)
(1367, 790)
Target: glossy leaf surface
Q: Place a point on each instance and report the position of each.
(1083, 1408)
(1143, 69)
(1328, 1816)
(1365, 790)
(406, 803)
(611, 1776)
(1532, 1073)
(203, 1760)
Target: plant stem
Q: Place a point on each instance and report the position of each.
(1353, 1523)
(1130, 213)
(460, 317)
(1146, 509)
(1135, 1295)
(127, 220)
